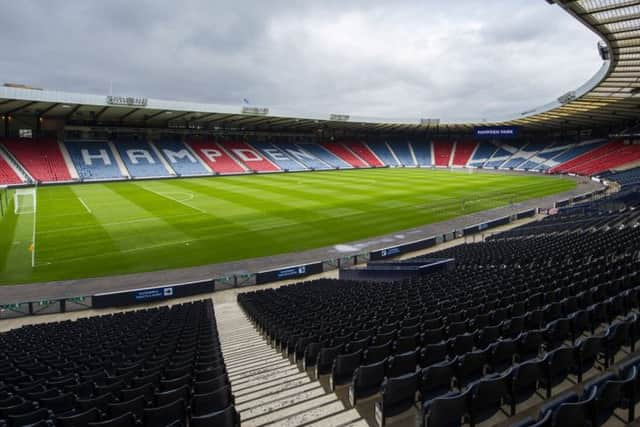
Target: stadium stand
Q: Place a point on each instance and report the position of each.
(521, 314)
(548, 156)
(383, 152)
(619, 156)
(483, 153)
(442, 153)
(500, 156)
(572, 155)
(324, 156)
(154, 367)
(42, 159)
(277, 155)
(402, 149)
(214, 156)
(463, 152)
(524, 155)
(422, 151)
(7, 175)
(626, 178)
(182, 160)
(582, 161)
(304, 157)
(363, 151)
(341, 151)
(252, 159)
(93, 160)
(140, 159)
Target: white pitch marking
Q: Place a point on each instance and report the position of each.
(176, 200)
(85, 205)
(137, 249)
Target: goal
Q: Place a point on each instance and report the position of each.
(24, 201)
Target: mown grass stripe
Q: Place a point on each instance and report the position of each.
(151, 225)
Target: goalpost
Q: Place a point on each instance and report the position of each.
(25, 201)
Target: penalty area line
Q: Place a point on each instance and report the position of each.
(176, 200)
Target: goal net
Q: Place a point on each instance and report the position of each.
(24, 201)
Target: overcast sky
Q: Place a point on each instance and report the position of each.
(455, 60)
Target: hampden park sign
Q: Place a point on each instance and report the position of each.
(496, 132)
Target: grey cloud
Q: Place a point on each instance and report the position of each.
(401, 59)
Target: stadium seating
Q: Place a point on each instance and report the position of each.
(500, 156)
(521, 159)
(141, 159)
(252, 159)
(442, 153)
(93, 160)
(422, 151)
(216, 157)
(547, 157)
(7, 174)
(576, 164)
(483, 153)
(519, 315)
(619, 156)
(626, 178)
(182, 160)
(325, 156)
(42, 159)
(383, 152)
(300, 153)
(572, 156)
(361, 150)
(403, 152)
(152, 367)
(277, 155)
(341, 151)
(463, 152)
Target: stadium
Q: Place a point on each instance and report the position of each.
(177, 263)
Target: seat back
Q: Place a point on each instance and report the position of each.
(436, 380)
(165, 415)
(401, 364)
(446, 411)
(487, 396)
(211, 402)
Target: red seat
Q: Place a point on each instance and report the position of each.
(215, 157)
(7, 174)
(574, 165)
(364, 152)
(626, 154)
(463, 152)
(41, 158)
(442, 152)
(251, 157)
(345, 154)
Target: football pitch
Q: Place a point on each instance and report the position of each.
(100, 229)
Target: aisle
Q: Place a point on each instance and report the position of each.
(268, 389)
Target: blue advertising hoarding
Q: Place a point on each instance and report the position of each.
(140, 296)
(285, 273)
(400, 249)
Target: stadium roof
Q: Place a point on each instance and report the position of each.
(611, 97)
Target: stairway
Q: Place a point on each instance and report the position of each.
(268, 389)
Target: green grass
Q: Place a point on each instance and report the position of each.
(114, 228)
